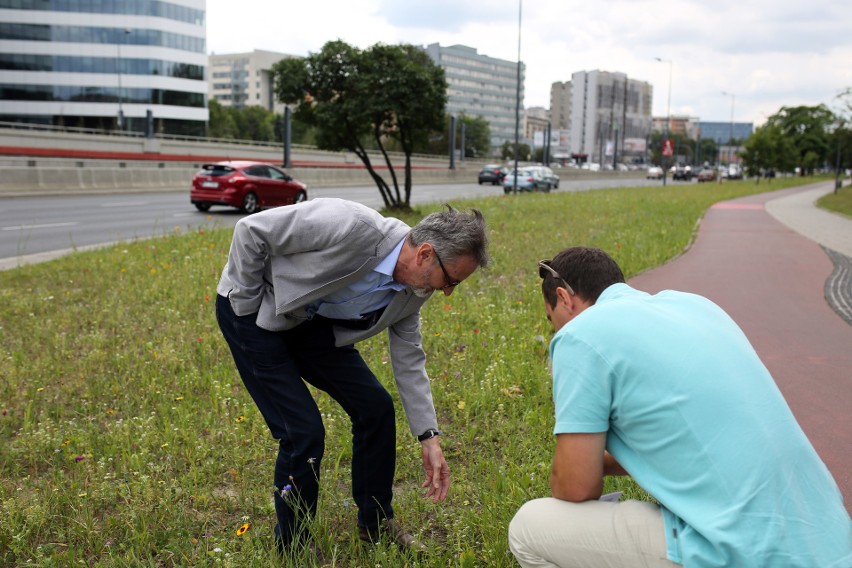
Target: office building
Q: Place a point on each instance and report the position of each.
(124, 64)
(245, 79)
(721, 132)
(610, 117)
(482, 86)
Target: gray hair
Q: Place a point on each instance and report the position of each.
(454, 234)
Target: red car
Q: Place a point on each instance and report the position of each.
(249, 186)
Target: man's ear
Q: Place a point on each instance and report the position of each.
(565, 299)
(423, 253)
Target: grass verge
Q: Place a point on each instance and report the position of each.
(128, 439)
(840, 202)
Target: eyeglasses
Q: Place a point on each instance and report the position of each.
(544, 269)
(450, 282)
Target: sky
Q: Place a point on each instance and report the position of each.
(765, 54)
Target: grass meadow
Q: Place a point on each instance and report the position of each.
(127, 439)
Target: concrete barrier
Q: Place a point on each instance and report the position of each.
(35, 162)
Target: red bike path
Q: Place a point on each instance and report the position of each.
(771, 281)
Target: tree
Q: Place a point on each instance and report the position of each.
(221, 122)
(477, 137)
(377, 97)
(507, 151)
(768, 149)
(807, 127)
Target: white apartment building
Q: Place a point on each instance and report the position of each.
(482, 86)
(245, 79)
(135, 65)
(610, 116)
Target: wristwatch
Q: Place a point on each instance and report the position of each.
(428, 434)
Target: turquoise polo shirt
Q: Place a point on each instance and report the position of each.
(695, 417)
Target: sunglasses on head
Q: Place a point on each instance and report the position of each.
(545, 270)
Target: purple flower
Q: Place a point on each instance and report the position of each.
(79, 458)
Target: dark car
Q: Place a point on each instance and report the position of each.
(682, 173)
(250, 186)
(492, 174)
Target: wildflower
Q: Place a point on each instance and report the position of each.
(245, 518)
(5, 412)
(285, 491)
(243, 529)
(39, 389)
(178, 398)
(200, 340)
(241, 419)
(82, 494)
(476, 331)
(166, 445)
(461, 405)
(312, 461)
(217, 550)
(79, 458)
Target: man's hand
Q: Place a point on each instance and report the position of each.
(437, 470)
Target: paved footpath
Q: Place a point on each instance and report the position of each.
(755, 257)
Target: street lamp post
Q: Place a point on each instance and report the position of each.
(118, 69)
(731, 136)
(517, 104)
(668, 114)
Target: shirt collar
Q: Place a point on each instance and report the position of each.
(388, 263)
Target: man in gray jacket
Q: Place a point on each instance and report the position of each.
(302, 284)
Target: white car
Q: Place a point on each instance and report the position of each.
(654, 172)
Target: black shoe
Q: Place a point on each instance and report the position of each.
(392, 531)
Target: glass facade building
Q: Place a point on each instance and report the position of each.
(723, 132)
(105, 64)
(481, 86)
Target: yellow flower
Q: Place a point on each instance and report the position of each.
(241, 419)
(243, 529)
(461, 405)
(178, 398)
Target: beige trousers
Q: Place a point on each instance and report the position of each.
(548, 533)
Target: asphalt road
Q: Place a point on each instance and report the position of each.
(39, 228)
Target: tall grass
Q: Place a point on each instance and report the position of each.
(128, 439)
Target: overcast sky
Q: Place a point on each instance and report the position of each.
(766, 53)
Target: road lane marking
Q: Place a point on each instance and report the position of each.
(126, 204)
(43, 226)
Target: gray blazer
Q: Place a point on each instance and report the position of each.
(283, 259)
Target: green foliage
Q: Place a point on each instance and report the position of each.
(807, 128)
(359, 100)
(477, 138)
(507, 151)
(127, 439)
(768, 149)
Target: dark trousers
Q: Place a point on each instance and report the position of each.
(274, 367)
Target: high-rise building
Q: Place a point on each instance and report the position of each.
(125, 64)
(479, 85)
(610, 116)
(560, 105)
(245, 79)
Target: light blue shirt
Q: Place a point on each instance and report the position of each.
(695, 417)
(367, 295)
